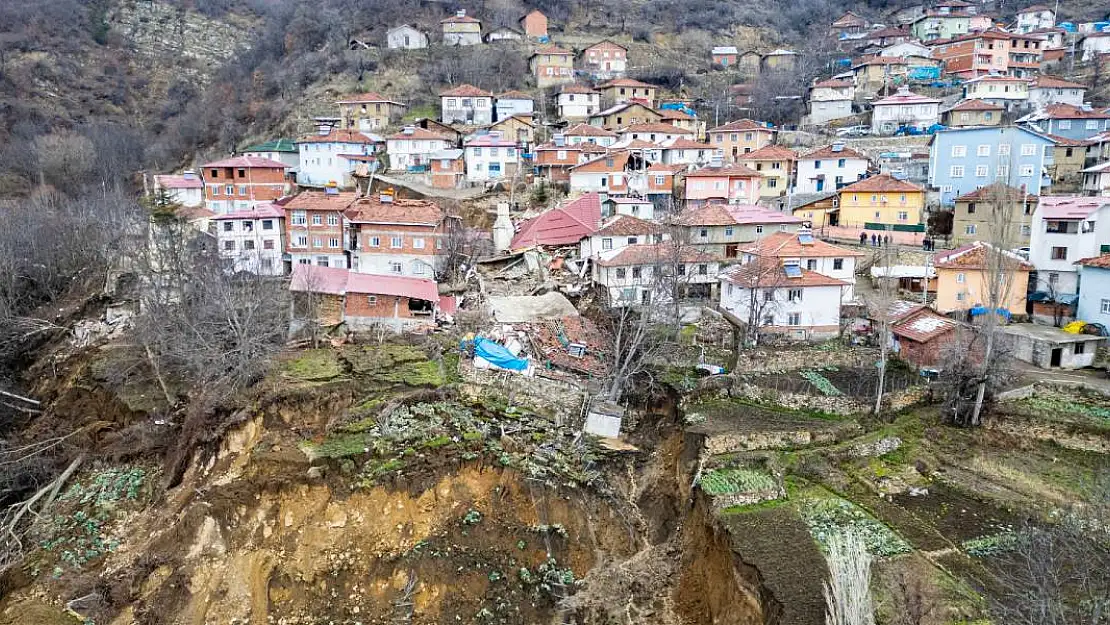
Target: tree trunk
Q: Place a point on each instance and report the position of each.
(981, 392)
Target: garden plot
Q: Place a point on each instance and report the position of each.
(740, 486)
(826, 514)
(957, 515)
(731, 425)
(859, 383)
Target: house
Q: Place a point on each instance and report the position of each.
(875, 73)
(973, 113)
(741, 137)
(776, 163)
(1051, 348)
(621, 173)
(491, 156)
(1094, 295)
(554, 160)
(849, 23)
(1066, 229)
(446, 169)
(904, 109)
(731, 184)
(241, 183)
(606, 59)
(653, 132)
(724, 56)
(920, 336)
(683, 118)
(940, 24)
(784, 299)
(617, 232)
(651, 274)
(748, 63)
(282, 150)
(552, 65)
(534, 24)
(411, 149)
(585, 133)
(880, 201)
(1034, 17)
(722, 229)
(1095, 45)
(330, 296)
(911, 165)
(369, 111)
(813, 208)
(332, 158)
(621, 115)
(186, 189)
(466, 104)
(389, 236)
(964, 159)
(250, 239)
(1010, 92)
(1053, 39)
(682, 151)
(1069, 162)
(405, 37)
(975, 216)
(578, 102)
(567, 224)
(778, 61)
(1046, 90)
(622, 90)
(810, 253)
(974, 54)
(829, 168)
(315, 228)
(963, 278)
(1066, 120)
(503, 33)
(1025, 55)
(519, 129)
(513, 103)
(461, 30)
(899, 44)
(1096, 179)
(830, 99)
(639, 208)
(453, 135)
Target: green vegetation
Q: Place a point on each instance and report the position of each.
(827, 514)
(736, 480)
(991, 545)
(314, 365)
(822, 383)
(394, 364)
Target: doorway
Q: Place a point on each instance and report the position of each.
(1057, 354)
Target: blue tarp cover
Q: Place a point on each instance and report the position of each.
(496, 354)
(982, 310)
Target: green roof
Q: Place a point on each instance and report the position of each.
(277, 145)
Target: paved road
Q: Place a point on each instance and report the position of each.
(1096, 379)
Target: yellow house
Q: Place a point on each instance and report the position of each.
(881, 200)
(740, 137)
(776, 163)
(962, 279)
(626, 90)
(623, 115)
(516, 128)
(369, 111)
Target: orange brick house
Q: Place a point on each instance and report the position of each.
(447, 169)
(330, 296)
(534, 24)
(314, 228)
(740, 137)
(552, 65)
(390, 236)
(554, 160)
(242, 182)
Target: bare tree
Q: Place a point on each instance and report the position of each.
(759, 281)
(881, 303)
(848, 589)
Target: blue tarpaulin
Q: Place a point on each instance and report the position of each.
(982, 310)
(497, 355)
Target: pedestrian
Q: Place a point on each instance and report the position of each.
(863, 238)
(886, 240)
(874, 240)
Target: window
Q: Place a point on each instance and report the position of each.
(759, 229)
(794, 295)
(769, 320)
(632, 240)
(242, 189)
(299, 218)
(248, 244)
(317, 220)
(817, 164)
(961, 278)
(395, 242)
(1104, 306)
(333, 220)
(621, 272)
(1053, 278)
(229, 245)
(1059, 253)
(268, 244)
(229, 226)
(317, 242)
(961, 296)
(637, 273)
(333, 243)
(395, 267)
(981, 171)
(703, 233)
(660, 180)
(1004, 170)
(607, 244)
(418, 243)
(1080, 348)
(969, 229)
(703, 270)
(1092, 124)
(302, 241)
(957, 171)
(372, 300)
(728, 231)
(841, 162)
(769, 295)
(682, 270)
(811, 264)
(1004, 149)
(1028, 149)
(267, 224)
(959, 151)
(1025, 230)
(903, 216)
(838, 264)
(794, 319)
(1026, 170)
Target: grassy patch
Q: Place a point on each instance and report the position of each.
(342, 445)
(736, 480)
(314, 365)
(395, 364)
(826, 514)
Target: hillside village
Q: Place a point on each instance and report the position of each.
(509, 320)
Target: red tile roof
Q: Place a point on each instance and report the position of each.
(923, 325)
(514, 95)
(652, 253)
(371, 210)
(675, 114)
(994, 190)
(167, 181)
(834, 83)
(973, 256)
(769, 153)
(247, 162)
(577, 89)
(625, 225)
(338, 281)
(267, 210)
(625, 82)
(460, 19)
(828, 152)
(552, 49)
(789, 245)
(586, 130)
(606, 44)
(466, 91)
(418, 133)
(761, 275)
(682, 143)
(337, 135)
(614, 161)
(731, 171)
(657, 127)
(734, 215)
(1052, 82)
(563, 225)
(743, 124)
(975, 104)
(1069, 111)
(318, 200)
(905, 97)
(881, 183)
(366, 98)
(1102, 262)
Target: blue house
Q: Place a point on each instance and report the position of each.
(1094, 289)
(962, 160)
(1068, 121)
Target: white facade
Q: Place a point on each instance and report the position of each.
(631, 206)
(578, 105)
(1006, 92)
(291, 159)
(817, 175)
(905, 49)
(508, 107)
(405, 37)
(604, 142)
(887, 118)
(595, 245)
(824, 111)
(186, 190)
(322, 163)
(1055, 245)
(1035, 20)
(804, 312)
(490, 157)
(252, 244)
(689, 156)
(1096, 180)
(1040, 97)
(396, 264)
(476, 110)
(637, 285)
(405, 153)
(1095, 44)
(839, 267)
(654, 135)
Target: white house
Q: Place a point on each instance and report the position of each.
(578, 102)
(653, 133)
(811, 254)
(1045, 90)
(186, 189)
(904, 109)
(1009, 92)
(1096, 179)
(650, 274)
(405, 37)
(905, 49)
(280, 150)
(685, 151)
(1033, 18)
(829, 168)
(784, 298)
(618, 232)
(252, 240)
(830, 99)
(490, 157)
(631, 206)
(513, 103)
(585, 133)
(332, 157)
(413, 148)
(466, 104)
(1066, 229)
(1095, 44)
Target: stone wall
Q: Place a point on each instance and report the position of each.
(767, 359)
(559, 399)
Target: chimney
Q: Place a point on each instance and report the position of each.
(560, 140)
(502, 209)
(460, 13)
(716, 160)
(386, 196)
(189, 174)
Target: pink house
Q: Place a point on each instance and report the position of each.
(733, 184)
